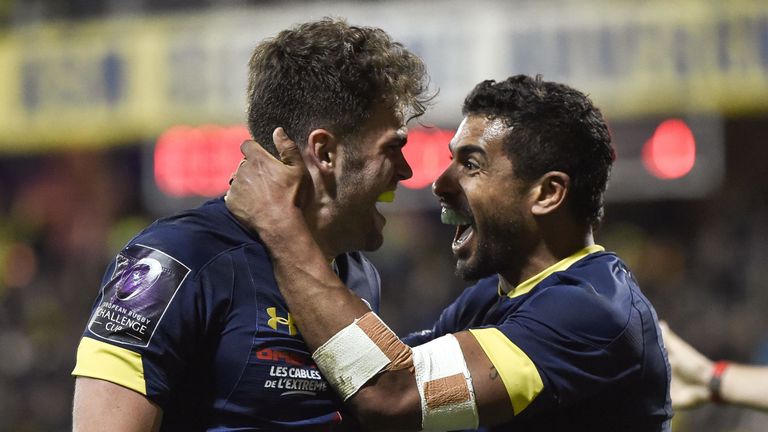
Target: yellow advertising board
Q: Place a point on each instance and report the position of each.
(119, 80)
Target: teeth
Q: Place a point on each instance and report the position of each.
(464, 235)
(453, 217)
(387, 196)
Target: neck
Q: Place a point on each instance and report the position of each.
(320, 216)
(545, 253)
(316, 221)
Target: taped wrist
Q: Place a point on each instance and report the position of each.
(358, 352)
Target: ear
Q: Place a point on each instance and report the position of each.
(549, 192)
(322, 148)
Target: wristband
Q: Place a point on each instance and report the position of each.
(715, 383)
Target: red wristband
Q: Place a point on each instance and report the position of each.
(716, 381)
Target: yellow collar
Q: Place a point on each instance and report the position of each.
(527, 285)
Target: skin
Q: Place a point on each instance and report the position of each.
(741, 384)
(480, 181)
(376, 165)
(339, 194)
(101, 405)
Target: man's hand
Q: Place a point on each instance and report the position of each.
(691, 371)
(265, 191)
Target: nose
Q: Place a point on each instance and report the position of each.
(445, 184)
(404, 171)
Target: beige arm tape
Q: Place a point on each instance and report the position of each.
(445, 386)
(359, 352)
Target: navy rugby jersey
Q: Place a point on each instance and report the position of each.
(189, 315)
(577, 346)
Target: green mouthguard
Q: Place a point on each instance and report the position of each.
(387, 196)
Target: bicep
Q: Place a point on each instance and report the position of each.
(103, 405)
(491, 395)
(506, 380)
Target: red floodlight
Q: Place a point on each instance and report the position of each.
(671, 152)
(427, 153)
(197, 160)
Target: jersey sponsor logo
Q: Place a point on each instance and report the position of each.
(275, 320)
(292, 373)
(137, 295)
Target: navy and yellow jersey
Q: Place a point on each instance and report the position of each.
(189, 315)
(577, 346)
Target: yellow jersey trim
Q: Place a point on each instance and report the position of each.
(96, 359)
(517, 371)
(526, 286)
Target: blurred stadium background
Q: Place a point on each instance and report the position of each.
(116, 112)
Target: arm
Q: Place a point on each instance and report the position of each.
(692, 374)
(127, 384)
(311, 289)
(322, 306)
(101, 405)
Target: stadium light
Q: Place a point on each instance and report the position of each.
(671, 152)
(667, 158)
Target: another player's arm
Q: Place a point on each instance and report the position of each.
(324, 308)
(692, 378)
(101, 405)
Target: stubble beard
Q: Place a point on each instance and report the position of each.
(351, 209)
(483, 263)
(496, 250)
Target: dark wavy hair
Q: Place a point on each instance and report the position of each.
(329, 74)
(554, 128)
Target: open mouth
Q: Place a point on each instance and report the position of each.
(464, 226)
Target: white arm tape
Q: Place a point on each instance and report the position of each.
(349, 359)
(445, 386)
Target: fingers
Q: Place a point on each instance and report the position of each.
(252, 150)
(234, 173)
(289, 151)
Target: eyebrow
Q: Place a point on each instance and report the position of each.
(466, 149)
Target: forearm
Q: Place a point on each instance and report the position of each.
(322, 306)
(384, 382)
(319, 302)
(745, 385)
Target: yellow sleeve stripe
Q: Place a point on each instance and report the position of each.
(96, 359)
(517, 371)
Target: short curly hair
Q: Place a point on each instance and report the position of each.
(554, 128)
(329, 74)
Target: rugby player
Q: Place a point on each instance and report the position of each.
(189, 331)
(555, 336)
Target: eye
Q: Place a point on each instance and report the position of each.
(470, 165)
(394, 149)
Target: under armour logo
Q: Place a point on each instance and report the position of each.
(275, 319)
